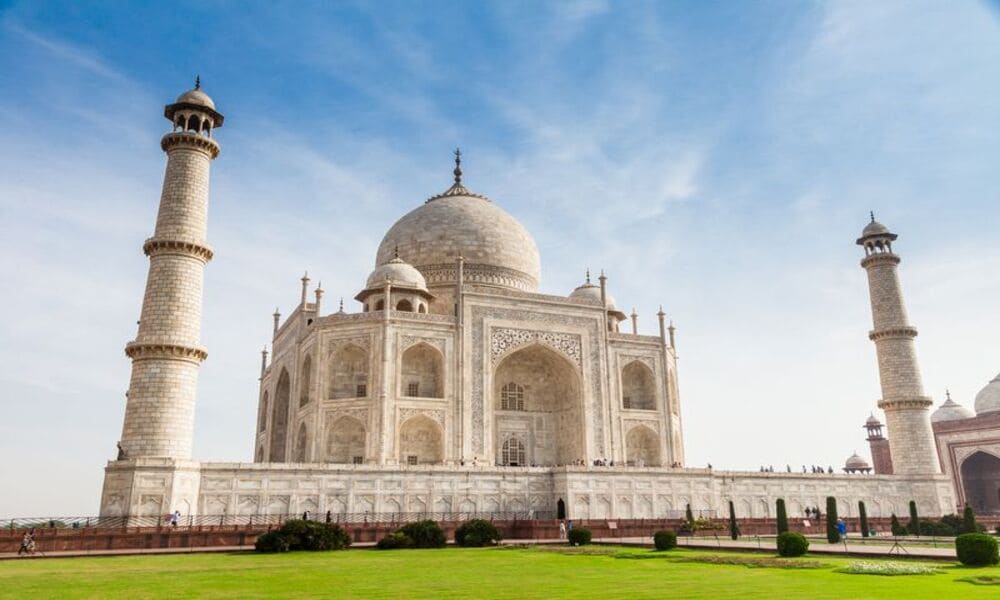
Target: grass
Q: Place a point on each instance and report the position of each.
(595, 572)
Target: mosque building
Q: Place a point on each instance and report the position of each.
(456, 387)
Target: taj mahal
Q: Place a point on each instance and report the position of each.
(454, 385)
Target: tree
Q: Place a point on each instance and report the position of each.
(897, 529)
(914, 526)
(782, 516)
(969, 520)
(863, 514)
(689, 515)
(734, 527)
(832, 535)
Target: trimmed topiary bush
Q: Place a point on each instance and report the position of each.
(303, 535)
(969, 521)
(896, 528)
(688, 515)
(395, 541)
(425, 534)
(665, 540)
(863, 515)
(272, 541)
(977, 550)
(782, 516)
(734, 527)
(792, 544)
(914, 526)
(477, 533)
(578, 536)
(832, 535)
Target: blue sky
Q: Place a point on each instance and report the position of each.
(716, 158)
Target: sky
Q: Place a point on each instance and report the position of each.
(718, 159)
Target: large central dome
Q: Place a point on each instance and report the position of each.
(497, 249)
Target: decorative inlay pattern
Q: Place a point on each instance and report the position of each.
(505, 339)
(625, 359)
(436, 415)
(412, 340)
(362, 341)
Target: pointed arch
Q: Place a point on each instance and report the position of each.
(642, 447)
(552, 398)
(981, 481)
(301, 444)
(305, 381)
(262, 422)
(404, 305)
(638, 387)
(345, 441)
(420, 442)
(422, 372)
(279, 417)
(348, 372)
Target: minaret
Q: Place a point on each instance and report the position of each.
(166, 354)
(907, 416)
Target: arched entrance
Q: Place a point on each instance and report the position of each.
(279, 420)
(642, 447)
(537, 398)
(981, 482)
(560, 509)
(420, 442)
(345, 441)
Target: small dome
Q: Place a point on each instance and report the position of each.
(874, 228)
(873, 421)
(951, 411)
(196, 96)
(988, 398)
(593, 292)
(398, 273)
(856, 462)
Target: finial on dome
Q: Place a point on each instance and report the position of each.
(947, 394)
(197, 82)
(341, 304)
(588, 274)
(458, 166)
(395, 251)
(872, 214)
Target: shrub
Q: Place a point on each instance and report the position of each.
(425, 534)
(863, 515)
(312, 535)
(303, 535)
(734, 527)
(395, 541)
(272, 541)
(976, 550)
(782, 516)
(914, 526)
(578, 536)
(792, 544)
(832, 535)
(940, 528)
(665, 540)
(688, 515)
(968, 520)
(896, 528)
(476, 533)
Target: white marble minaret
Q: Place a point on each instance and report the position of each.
(907, 414)
(166, 353)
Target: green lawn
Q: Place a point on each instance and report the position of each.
(468, 573)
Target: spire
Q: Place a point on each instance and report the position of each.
(872, 214)
(458, 167)
(305, 287)
(588, 274)
(395, 251)
(197, 82)
(341, 305)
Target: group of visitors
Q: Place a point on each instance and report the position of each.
(27, 543)
(564, 528)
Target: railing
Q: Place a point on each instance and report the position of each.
(389, 518)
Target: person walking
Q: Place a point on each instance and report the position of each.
(842, 528)
(562, 530)
(27, 543)
(174, 518)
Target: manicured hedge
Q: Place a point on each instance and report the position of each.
(665, 540)
(303, 535)
(792, 544)
(477, 533)
(395, 541)
(977, 549)
(425, 534)
(578, 536)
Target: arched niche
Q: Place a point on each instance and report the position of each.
(404, 305)
(262, 423)
(552, 417)
(981, 482)
(348, 372)
(345, 441)
(305, 381)
(422, 372)
(642, 447)
(279, 418)
(420, 442)
(301, 453)
(638, 387)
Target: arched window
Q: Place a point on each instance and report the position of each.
(305, 382)
(420, 442)
(380, 305)
(301, 444)
(263, 413)
(422, 372)
(345, 441)
(404, 305)
(638, 389)
(348, 369)
(193, 123)
(511, 397)
(422, 308)
(512, 453)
